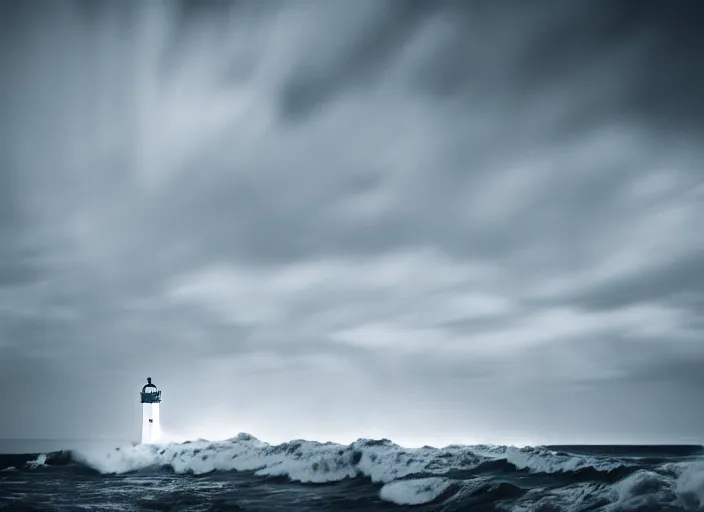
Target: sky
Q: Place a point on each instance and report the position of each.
(430, 221)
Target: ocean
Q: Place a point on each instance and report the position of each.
(245, 474)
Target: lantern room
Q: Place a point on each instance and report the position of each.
(150, 393)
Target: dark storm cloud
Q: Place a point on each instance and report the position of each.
(359, 63)
(357, 204)
(676, 280)
(15, 267)
(669, 82)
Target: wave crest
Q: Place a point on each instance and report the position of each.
(413, 476)
(542, 460)
(304, 461)
(414, 491)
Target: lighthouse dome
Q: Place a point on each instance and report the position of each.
(150, 393)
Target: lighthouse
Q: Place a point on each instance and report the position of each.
(150, 398)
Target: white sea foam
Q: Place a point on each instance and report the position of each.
(567, 499)
(414, 491)
(641, 490)
(690, 484)
(410, 476)
(303, 461)
(38, 462)
(548, 461)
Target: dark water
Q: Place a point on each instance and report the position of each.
(246, 474)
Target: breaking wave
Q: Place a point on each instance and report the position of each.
(470, 474)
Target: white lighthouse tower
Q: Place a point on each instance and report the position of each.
(151, 427)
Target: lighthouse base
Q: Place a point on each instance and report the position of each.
(151, 425)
